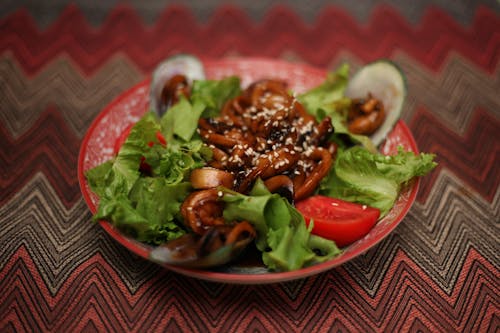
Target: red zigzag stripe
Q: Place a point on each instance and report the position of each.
(230, 30)
(471, 304)
(49, 147)
(474, 158)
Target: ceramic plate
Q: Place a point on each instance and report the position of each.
(97, 147)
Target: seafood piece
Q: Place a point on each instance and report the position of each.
(172, 77)
(266, 133)
(213, 243)
(380, 81)
(207, 177)
(219, 245)
(282, 185)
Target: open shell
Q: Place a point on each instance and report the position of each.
(385, 81)
(185, 251)
(184, 64)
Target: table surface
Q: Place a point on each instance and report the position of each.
(61, 64)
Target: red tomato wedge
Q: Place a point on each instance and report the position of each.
(341, 221)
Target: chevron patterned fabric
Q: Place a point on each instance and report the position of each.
(61, 64)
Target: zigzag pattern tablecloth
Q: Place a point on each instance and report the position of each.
(60, 65)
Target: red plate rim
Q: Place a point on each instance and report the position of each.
(143, 250)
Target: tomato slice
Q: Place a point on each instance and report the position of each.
(341, 221)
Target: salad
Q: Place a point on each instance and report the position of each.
(215, 168)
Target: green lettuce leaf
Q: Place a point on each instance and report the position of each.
(207, 98)
(98, 178)
(374, 179)
(327, 95)
(282, 236)
(158, 202)
(214, 93)
(146, 205)
(181, 120)
(328, 99)
(119, 175)
(149, 213)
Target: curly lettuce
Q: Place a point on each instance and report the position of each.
(373, 179)
(145, 205)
